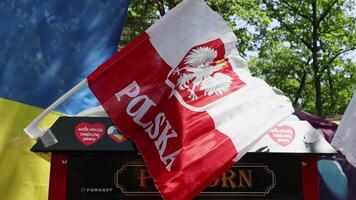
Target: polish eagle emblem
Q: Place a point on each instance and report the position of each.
(201, 72)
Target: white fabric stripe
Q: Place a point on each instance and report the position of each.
(246, 115)
(172, 39)
(345, 136)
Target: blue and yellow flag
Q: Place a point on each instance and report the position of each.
(46, 48)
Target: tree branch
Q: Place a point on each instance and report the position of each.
(161, 10)
(335, 56)
(302, 83)
(268, 5)
(328, 31)
(327, 11)
(171, 4)
(309, 46)
(331, 89)
(296, 11)
(300, 88)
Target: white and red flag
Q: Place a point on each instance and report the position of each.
(182, 93)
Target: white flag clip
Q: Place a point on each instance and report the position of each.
(33, 130)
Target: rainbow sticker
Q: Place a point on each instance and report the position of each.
(115, 134)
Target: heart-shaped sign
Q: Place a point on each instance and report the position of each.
(282, 135)
(89, 134)
(115, 134)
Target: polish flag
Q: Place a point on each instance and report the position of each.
(183, 94)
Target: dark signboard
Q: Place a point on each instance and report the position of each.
(98, 134)
(126, 177)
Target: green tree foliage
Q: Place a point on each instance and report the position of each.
(312, 37)
(303, 47)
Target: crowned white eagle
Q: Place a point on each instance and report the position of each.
(201, 70)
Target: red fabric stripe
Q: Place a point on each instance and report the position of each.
(310, 178)
(58, 177)
(118, 56)
(206, 153)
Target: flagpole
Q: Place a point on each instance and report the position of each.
(33, 130)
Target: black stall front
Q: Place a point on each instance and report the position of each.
(92, 160)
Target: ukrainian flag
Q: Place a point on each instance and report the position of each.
(46, 48)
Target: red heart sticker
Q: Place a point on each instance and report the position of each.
(282, 135)
(89, 134)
